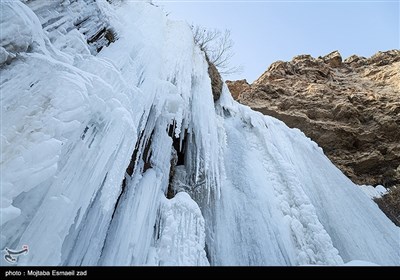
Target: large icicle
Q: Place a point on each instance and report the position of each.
(181, 233)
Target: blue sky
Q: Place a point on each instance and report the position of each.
(267, 31)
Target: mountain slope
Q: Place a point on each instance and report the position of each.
(350, 108)
(124, 158)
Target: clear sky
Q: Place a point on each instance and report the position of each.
(267, 31)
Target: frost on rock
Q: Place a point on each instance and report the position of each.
(96, 133)
(374, 192)
(20, 30)
(91, 18)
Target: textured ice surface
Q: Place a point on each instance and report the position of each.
(181, 233)
(91, 144)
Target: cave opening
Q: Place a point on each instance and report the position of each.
(178, 151)
(176, 143)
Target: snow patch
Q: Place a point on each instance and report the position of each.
(374, 192)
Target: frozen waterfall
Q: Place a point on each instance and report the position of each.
(114, 153)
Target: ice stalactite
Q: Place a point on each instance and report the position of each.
(181, 233)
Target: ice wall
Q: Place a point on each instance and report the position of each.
(96, 134)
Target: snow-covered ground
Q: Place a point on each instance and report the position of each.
(251, 191)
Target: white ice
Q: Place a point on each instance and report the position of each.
(374, 192)
(251, 191)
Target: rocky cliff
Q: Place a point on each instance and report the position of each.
(351, 108)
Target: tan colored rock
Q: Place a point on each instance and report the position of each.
(216, 80)
(351, 108)
(334, 59)
(237, 87)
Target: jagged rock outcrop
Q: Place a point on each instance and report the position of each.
(351, 108)
(238, 87)
(215, 77)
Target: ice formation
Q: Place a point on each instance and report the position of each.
(97, 132)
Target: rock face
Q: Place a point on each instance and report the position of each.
(351, 108)
(216, 80)
(236, 87)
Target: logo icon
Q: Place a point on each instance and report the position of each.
(11, 256)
